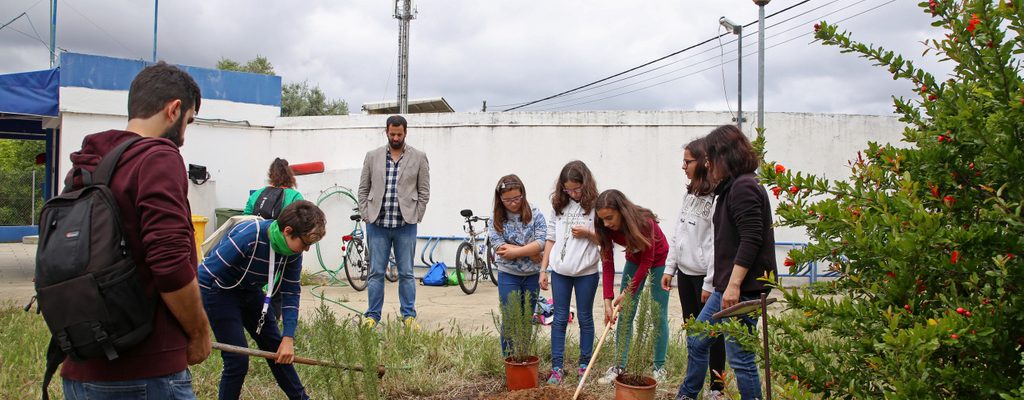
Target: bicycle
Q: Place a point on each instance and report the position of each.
(357, 257)
(473, 259)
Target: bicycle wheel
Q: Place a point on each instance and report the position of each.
(466, 268)
(490, 264)
(391, 274)
(357, 265)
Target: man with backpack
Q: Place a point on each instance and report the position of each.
(149, 185)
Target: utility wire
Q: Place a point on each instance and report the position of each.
(649, 62)
(720, 57)
(714, 66)
(98, 26)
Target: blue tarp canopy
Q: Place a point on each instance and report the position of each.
(30, 93)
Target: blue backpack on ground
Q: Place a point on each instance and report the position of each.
(437, 275)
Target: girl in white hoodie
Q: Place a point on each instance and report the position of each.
(570, 262)
(691, 251)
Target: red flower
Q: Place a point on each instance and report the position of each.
(960, 310)
(949, 200)
(935, 191)
(954, 336)
(953, 258)
(971, 165)
(932, 97)
(817, 27)
(1010, 256)
(967, 313)
(906, 307)
(776, 190)
(789, 262)
(890, 274)
(793, 189)
(942, 138)
(924, 89)
(973, 23)
(779, 168)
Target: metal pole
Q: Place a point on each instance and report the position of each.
(32, 217)
(403, 12)
(767, 359)
(53, 33)
(739, 80)
(156, 11)
(760, 63)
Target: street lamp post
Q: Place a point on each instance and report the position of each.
(760, 72)
(737, 29)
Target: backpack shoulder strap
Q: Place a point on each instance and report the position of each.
(106, 168)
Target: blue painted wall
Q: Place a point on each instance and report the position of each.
(12, 234)
(107, 73)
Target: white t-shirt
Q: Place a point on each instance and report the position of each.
(572, 256)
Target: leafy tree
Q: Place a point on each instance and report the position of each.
(925, 235)
(297, 99)
(17, 161)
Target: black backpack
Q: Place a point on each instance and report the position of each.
(86, 280)
(268, 205)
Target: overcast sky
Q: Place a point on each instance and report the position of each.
(504, 52)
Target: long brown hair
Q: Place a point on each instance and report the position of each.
(574, 171)
(281, 174)
(508, 183)
(636, 222)
(730, 152)
(701, 184)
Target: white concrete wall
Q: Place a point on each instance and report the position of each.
(638, 152)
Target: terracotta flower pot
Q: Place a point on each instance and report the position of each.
(521, 375)
(630, 392)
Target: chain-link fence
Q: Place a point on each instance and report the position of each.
(21, 196)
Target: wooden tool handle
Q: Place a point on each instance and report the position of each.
(298, 360)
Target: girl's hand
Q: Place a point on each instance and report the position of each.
(666, 282)
(537, 257)
(730, 297)
(704, 295)
(507, 251)
(286, 351)
(580, 231)
(544, 280)
(608, 310)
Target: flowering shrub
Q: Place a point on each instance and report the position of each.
(925, 236)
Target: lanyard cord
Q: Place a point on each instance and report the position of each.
(270, 287)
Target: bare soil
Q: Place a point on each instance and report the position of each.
(541, 393)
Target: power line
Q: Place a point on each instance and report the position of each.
(97, 26)
(648, 63)
(713, 66)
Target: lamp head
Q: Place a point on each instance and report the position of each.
(730, 26)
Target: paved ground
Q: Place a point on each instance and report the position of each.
(437, 307)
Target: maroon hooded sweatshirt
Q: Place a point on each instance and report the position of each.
(151, 188)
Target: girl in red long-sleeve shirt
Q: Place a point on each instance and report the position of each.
(635, 228)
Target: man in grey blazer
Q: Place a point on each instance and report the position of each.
(394, 188)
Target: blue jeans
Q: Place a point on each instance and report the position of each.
(233, 312)
(381, 242)
(743, 362)
(508, 283)
(174, 386)
(562, 287)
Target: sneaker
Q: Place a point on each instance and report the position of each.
(556, 376)
(369, 323)
(714, 395)
(610, 375)
(410, 322)
(582, 370)
(660, 374)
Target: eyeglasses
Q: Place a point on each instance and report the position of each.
(686, 163)
(512, 200)
(573, 191)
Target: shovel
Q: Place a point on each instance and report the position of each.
(298, 360)
(607, 328)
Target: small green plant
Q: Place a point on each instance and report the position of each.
(636, 334)
(517, 327)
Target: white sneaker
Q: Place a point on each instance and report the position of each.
(714, 395)
(660, 374)
(610, 375)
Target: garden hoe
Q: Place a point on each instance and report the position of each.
(298, 360)
(607, 327)
(747, 307)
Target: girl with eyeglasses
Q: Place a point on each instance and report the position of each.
(621, 222)
(570, 262)
(691, 253)
(231, 280)
(517, 234)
